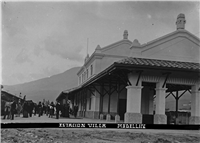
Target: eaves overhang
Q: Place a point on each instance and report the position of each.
(132, 63)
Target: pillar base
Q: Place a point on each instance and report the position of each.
(194, 120)
(133, 118)
(160, 119)
(117, 118)
(95, 115)
(101, 116)
(108, 117)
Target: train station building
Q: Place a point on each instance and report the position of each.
(130, 81)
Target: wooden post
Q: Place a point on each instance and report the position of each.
(109, 95)
(118, 87)
(101, 98)
(177, 106)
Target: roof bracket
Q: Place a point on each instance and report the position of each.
(96, 89)
(167, 76)
(91, 91)
(140, 72)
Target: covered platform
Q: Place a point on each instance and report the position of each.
(126, 91)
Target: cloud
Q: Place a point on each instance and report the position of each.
(36, 41)
(23, 57)
(43, 65)
(149, 16)
(44, 38)
(59, 45)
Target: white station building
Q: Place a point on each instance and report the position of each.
(124, 80)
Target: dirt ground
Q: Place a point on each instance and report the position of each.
(93, 136)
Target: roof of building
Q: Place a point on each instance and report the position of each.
(141, 62)
(159, 63)
(8, 96)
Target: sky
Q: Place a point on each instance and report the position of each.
(41, 39)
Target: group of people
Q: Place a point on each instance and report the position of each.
(14, 108)
(49, 110)
(29, 108)
(10, 108)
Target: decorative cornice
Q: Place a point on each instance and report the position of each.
(183, 81)
(170, 80)
(116, 44)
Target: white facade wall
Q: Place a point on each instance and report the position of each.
(104, 58)
(177, 46)
(177, 49)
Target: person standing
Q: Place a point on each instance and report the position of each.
(19, 108)
(75, 110)
(31, 108)
(25, 109)
(35, 109)
(58, 108)
(39, 109)
(13, 109)
(51, 110)
(7, 110)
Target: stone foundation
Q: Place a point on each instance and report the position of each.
(101, 116)
(133, 118)
(95, 115)
(194, 120)
(160, 119)
(92, 114)
(108, 117)
(80, 113)
(112, 115)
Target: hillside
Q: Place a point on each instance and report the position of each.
(46, 88)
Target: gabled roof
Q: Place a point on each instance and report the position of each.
(115, 44)
(170, 35)
(8, 96)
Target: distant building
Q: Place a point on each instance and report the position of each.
(7, 97)
(121, 81)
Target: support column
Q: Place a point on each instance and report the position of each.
(108, 116)
(96, 105)
(133, 114)
(160, 117)
(101, 102)
(117, 117)
(84, 103)
(177, 98)
(81, 112)
(195, 105)
(133, 108)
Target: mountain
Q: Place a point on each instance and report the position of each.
(46, 88)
